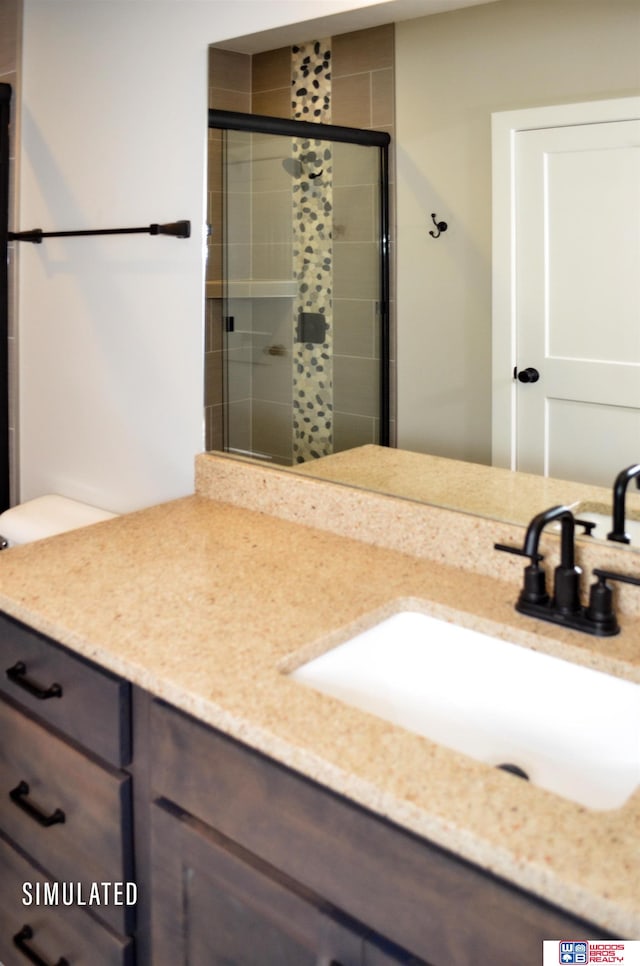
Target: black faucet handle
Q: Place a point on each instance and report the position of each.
(588, 526)
(534, 557)
(612, 575)
(600, 609)
(534, 588)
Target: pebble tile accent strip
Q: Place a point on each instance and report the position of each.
(312, 256)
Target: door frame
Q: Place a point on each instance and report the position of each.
(5, 402)
(505, 125)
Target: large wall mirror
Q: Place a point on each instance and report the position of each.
(450, 71)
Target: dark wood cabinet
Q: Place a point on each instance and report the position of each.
(65, 809)
(235, 909)
(395, 890)
(238, 860)
(65, 804)
(50, 932)
(84, 702)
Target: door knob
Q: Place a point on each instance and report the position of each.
(528, 375)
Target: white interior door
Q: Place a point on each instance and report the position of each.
(572, 277)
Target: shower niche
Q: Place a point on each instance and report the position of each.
(297, 288)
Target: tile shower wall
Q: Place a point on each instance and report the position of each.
(344, 80)
(362, 96)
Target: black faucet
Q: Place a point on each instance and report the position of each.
(566, 584)
(565, 606)
(619, 494)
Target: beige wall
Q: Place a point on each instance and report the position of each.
(452, 71)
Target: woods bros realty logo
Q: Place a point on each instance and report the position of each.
(576, 952)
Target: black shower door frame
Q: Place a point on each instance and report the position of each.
(288, 127)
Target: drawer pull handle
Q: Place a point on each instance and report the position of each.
(17, 674)
(18, 795)
(20, 940)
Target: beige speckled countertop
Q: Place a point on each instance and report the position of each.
(204, 601)
(489, 491)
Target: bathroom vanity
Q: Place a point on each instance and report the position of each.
(245, 856)
(253, 813)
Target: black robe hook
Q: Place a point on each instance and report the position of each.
(440, 225)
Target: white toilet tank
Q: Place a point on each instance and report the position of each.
(47, 516)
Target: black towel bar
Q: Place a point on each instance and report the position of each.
(179, 229)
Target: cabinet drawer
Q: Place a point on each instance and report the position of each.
(87, 807)
(89, 705)
(57, 930)
(426, 900)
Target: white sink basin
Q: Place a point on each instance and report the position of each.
(573, 730)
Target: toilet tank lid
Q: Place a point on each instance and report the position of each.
(46, 516)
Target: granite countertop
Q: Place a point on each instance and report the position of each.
(490, 491)
(206, 603)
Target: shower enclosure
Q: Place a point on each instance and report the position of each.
(297, 290)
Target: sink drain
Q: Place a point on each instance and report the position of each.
(514, 770)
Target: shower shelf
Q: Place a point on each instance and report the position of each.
(253, 289)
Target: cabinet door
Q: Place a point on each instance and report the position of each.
(216, 905)
(412, 892)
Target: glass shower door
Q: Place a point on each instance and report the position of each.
(259, 290)
(304, 296)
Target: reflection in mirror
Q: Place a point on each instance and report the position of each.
(452, 71)
(298, 295)
(304, 286)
